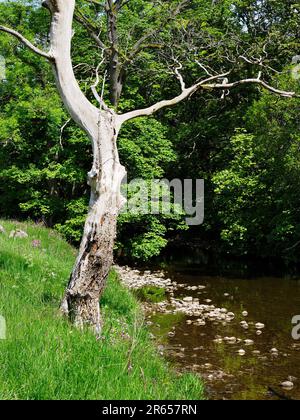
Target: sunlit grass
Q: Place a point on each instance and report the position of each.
(45, 358)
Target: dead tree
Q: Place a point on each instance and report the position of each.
(102, 125)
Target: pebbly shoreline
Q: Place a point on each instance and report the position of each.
(187, 305)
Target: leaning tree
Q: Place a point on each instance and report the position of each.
(102, 124)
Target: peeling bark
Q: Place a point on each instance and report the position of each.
(88, 279)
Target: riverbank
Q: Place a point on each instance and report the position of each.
(43, 357)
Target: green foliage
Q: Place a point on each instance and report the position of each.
(257, 194)
(151, 294)
(45, 358)
(145, 148)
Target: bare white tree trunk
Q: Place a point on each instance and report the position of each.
(88, 278)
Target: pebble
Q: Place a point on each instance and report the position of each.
(259, 332)
(259, 326)
(249, 342)
(241, 352)
(207, 366)
(274, 351)
(230, 340)
(188, 299)
(201, 323)
(287, 385)
(245, 313)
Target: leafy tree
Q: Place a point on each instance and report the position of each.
(257, 193)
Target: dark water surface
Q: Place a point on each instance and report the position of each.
(273, 302)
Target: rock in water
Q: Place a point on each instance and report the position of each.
(17, 234)
(188, 299)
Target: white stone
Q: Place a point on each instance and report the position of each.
(188, 299)
(287, 385)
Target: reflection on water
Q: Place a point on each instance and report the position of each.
(273, 302)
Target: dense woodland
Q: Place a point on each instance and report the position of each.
(245, 143)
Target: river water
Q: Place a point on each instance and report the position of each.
(227, 375)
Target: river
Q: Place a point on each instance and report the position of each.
(227, 375)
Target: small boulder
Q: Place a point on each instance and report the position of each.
(188, 299)
(18, 234)
(241, 352)
(231, 340)
(259, 326)
(287, 385)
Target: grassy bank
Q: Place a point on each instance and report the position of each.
(45, 358)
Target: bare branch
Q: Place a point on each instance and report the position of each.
(80, 18)
(257, 81)
(203, 68)
(26, 42)
(179, 76)
(99, 98)
(204, 85)
(62, 131)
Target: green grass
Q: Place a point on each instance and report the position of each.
(46, 358)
